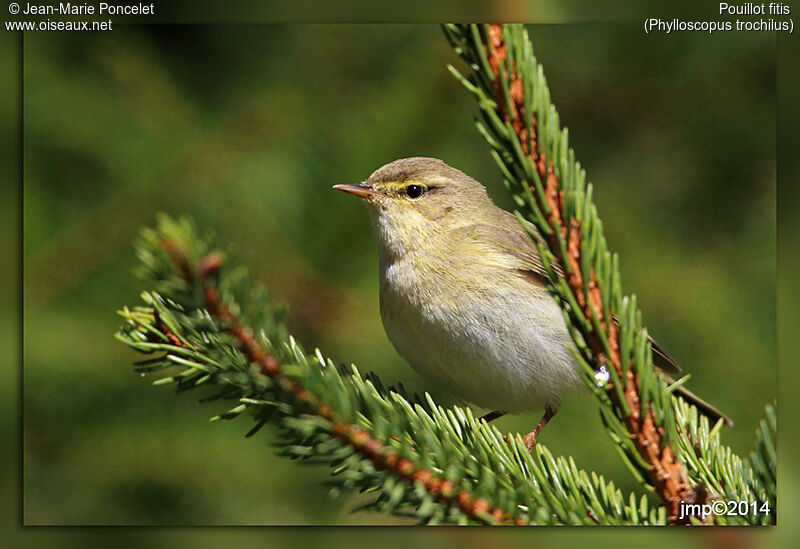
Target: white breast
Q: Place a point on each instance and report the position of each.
(500, 346)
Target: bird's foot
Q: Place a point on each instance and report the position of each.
(529, 440)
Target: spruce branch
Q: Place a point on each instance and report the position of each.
(422, 460)
(764, 462)
(724, 474)
(522, 127)
(381, 456)
(366, 445)
(206, 318)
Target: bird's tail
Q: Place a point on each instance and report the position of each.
(702, 406)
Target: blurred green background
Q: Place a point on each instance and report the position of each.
(246, 127)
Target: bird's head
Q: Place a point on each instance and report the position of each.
(412, 200)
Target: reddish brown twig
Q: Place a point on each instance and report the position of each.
(667, 474)
(170, 335)
(380, 454)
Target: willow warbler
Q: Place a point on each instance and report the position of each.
(463, 296)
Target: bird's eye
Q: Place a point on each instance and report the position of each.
(414, 191)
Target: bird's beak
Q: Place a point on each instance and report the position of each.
(361, 190)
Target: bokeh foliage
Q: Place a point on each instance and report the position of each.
(246, 128)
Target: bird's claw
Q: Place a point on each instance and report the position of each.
(528, 440)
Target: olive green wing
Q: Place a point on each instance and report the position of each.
(507, 236)
(514, 239)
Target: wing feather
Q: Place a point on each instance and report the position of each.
(508, 236)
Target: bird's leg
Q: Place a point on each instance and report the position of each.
(530, 438)
(491, 416)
